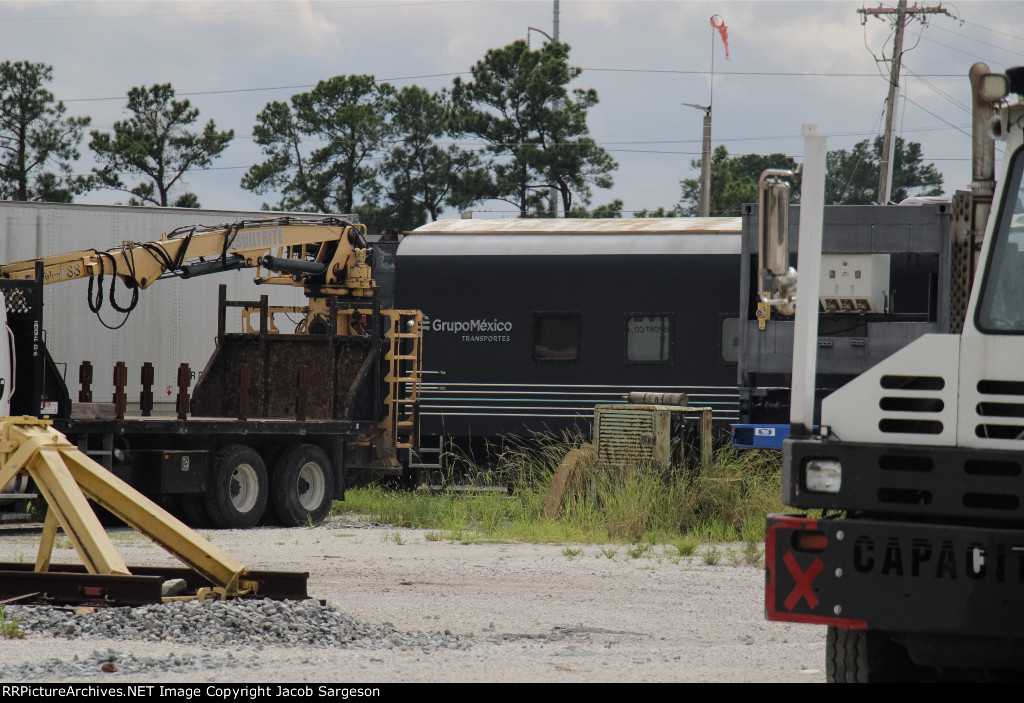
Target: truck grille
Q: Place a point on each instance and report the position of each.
(1001, 410)
(915, 401)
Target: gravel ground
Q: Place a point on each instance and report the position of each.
(402, 608)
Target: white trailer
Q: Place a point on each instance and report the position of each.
(175, 322)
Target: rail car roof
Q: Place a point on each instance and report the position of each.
(572, 236)
(572, 225)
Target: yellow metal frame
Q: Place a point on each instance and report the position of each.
(347, 325)
(404, 377)
(66, 477)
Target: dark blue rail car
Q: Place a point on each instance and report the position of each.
(530, 322)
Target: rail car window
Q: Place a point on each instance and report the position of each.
(649, 339)
(556, 336)
(730, 339)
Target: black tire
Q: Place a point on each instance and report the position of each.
(302, 486)
(862, 656)
(271, 453)
(236, 493)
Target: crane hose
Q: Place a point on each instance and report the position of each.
(95, 295)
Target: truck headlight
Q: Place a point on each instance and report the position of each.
(823, 475)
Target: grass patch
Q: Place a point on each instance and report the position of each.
(571, 552)
(9, 628)
(686, 545)
(641, 505)
(638, 551)
(753, 553)
(712, 555)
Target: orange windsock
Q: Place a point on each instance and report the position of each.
(723, 31)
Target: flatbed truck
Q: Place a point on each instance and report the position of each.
(279, 419)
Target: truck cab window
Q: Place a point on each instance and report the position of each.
(649, 339)
(556, 336)
(1000, 309)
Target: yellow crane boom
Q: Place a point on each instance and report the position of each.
(326, 256)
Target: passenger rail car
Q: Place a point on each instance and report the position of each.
(531, 322)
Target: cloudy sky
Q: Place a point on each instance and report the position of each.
(789, 63)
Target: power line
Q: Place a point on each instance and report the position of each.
(922, 107)
(959, 51)
(994, 31)
(476, 145)
(856, 133)
(934, 89)
(306, 86)
(978, 41)
(797, 74)
(256, 90)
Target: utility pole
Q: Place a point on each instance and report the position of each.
(704, 205)
(889, 141)
(554, 191)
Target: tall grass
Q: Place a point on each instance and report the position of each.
(724, 502)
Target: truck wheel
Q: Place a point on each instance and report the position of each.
(303, 486)
(237, 493)
(863, 656)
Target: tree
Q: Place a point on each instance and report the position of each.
(733, 182)
(660, 212)
(535, 133)
(612, 209)
(154, 143)
(348, 115)
(36, 136)
(852, 176)
(418, 175)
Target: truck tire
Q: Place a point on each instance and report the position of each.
(863, 656)
(302, 486)
(237, 489)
